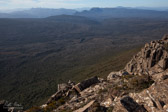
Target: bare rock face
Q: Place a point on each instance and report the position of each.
(151, 61)
(153, 58)
(153, 99)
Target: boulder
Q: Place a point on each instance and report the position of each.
(86, 83)
(113, 75)
(92, 106)
(66, 86)
(131, 106)
(62, 86)
(84, 108)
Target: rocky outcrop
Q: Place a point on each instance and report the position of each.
(142, 86)
(63, 91)
(153, 99)
(86, 83)
(152, 59)
(71, 91)
(85, 107)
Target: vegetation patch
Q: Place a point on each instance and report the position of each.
(53, 105)
(131, 83)
(38, 54)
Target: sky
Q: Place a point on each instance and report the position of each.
(12, 4)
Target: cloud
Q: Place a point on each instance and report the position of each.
(40, 3)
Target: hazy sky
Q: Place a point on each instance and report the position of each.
(11, 4)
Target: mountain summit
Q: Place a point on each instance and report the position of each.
(140, 87)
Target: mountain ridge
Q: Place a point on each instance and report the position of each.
(37, 13)
(104, 13)
(125, 90)
(94, 13)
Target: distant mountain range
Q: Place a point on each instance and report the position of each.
(37, 13)
(104, 13)
(94, 13)
(154, 8)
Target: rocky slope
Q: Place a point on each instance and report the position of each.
(152, 59)
(142, 86)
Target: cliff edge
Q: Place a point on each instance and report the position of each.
(142, 86)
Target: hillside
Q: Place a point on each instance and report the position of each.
(72, 19)
(140, 87)
(37, 54)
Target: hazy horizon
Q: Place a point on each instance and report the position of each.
(83, 8)
(74, 4)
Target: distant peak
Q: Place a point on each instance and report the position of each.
(96, 9)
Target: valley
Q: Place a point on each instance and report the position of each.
(37, 54)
